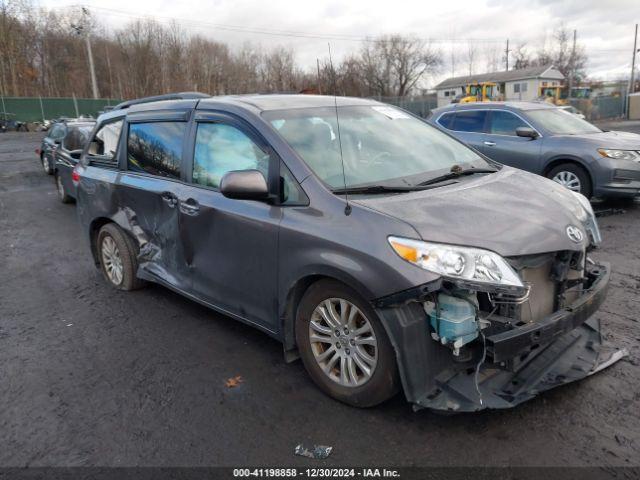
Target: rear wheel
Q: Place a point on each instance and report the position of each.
(62, 193)
(344, 346)
(573, 177)
(118, 258)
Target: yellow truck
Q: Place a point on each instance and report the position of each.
(480, 92)
(552, 95)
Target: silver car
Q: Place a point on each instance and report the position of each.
(549, 141)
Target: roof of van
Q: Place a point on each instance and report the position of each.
(287, 101)
(256, 102)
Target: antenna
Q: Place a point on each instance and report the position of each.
(347, 208)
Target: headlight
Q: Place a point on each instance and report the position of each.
(590, 223)
(584, 202)
(619, 154)
(458, 263)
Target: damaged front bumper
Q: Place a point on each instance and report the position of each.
(508, 366)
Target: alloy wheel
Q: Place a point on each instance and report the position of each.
(343, 342)
(45, 163)
(569, 180)
(111, 260)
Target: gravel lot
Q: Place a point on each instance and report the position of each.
(93, 376)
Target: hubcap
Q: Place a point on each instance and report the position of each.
(569, 180)
(111, 260)
(45, 163)
(60, 187)
(343, 342)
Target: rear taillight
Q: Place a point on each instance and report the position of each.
(38, 151)
(75, 175)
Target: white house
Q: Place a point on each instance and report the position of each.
(522, 84)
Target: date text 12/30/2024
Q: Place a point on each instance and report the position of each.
(315, 473)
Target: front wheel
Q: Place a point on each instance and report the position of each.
(344, 346)
(573, 177)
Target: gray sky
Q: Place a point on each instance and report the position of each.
(605, 27)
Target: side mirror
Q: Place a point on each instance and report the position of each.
(526, 132)
(244, 185)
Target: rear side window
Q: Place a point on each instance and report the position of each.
(104, 144)
(156, 148)
(76, 139)
(57, 131)
(505, 123)
(446, 120)
(71, 140)
(470, 121)
(221, 148)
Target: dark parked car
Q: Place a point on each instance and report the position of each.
(549, 141)
(380, 250)
(67, 154)
(50, 142)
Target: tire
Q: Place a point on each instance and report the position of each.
(369, 390)
(62, 193)
(572, 172)
(125, 250)
(46, 164)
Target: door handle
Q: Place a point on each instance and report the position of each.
(190, 207)
(170, 199)
(490, 144)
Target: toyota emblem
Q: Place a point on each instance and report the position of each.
(574, 234)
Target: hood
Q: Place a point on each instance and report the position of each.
(510, 212)
(613, 140)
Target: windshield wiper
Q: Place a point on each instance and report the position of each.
(456, 171)
(374, 189)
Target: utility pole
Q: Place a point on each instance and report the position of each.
(506, 54)
(633, 62)
(106, 51)
(92, 68)
(632, 80)
(80, 29)
(572, 67)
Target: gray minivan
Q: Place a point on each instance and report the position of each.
(549, 141)
(381, 251)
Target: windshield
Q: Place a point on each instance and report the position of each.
(561, 122)
(380, 145)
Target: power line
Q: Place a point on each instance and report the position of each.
(291, 33)
(267, 31)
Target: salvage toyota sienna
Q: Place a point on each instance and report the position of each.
(381, 251)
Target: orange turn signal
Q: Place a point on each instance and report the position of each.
(408, 253)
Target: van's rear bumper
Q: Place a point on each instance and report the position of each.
(562, 348)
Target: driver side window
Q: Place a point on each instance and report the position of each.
(221, 148)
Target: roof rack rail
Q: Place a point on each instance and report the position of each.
(158, 98)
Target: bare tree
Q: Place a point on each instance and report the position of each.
(521, 56)
(41, 55)
(393, 65)
(472, 53)
(492, 56)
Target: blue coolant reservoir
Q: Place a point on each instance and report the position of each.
(453, 319)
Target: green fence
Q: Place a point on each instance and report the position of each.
(35, 109)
